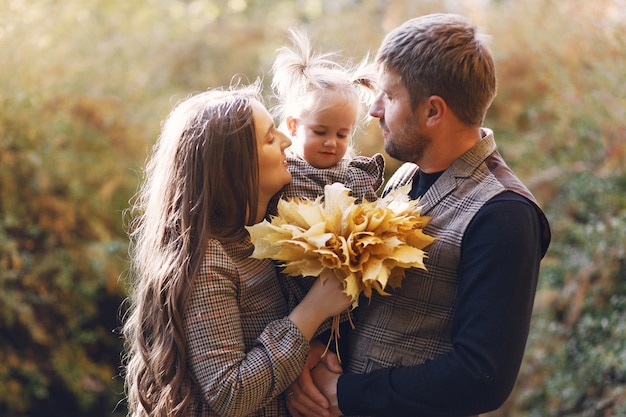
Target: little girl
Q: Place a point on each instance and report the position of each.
(320, 102)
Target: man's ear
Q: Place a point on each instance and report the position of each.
(437, 109)
(292, 125)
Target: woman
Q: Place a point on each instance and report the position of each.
(208, 331)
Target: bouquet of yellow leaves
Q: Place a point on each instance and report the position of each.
(367, 245)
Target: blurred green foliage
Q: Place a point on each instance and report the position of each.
(84, 86)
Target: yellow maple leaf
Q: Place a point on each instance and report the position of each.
(367, 246)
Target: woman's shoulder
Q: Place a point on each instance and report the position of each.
(223, 256)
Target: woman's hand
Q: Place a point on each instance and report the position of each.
(328, 296)
(324, 300)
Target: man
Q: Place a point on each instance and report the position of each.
(450, 341)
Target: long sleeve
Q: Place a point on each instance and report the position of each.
(240, 361)
(499, 267)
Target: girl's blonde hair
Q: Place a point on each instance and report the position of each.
(306, 82)
(201, 182)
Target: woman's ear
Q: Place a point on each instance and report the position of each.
(292, 125)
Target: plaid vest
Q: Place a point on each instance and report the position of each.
(413, 325)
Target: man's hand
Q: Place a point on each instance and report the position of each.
(326, 381)
(304, 399)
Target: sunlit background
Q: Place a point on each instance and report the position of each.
(84, 85)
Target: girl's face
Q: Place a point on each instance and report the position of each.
(324, 136)
(271, 145)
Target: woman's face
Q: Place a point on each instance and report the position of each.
(271, 145)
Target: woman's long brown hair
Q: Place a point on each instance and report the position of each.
(201, 182)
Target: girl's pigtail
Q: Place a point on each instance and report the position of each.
(298, 69)
(364, 79)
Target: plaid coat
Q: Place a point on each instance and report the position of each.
(242, 351)
(414, 324)
(362, 175)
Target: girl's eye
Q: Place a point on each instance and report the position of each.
(342, 135)
(319, 132)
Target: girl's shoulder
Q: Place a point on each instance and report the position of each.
(374, 165)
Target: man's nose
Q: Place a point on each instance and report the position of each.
(376, 109)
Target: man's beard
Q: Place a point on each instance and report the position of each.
(408, 145)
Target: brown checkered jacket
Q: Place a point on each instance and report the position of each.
(242, 351)
(362, 175)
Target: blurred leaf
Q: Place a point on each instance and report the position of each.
(84, 86)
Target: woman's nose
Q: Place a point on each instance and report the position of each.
(285, 141)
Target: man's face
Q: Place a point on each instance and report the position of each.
(400, 123)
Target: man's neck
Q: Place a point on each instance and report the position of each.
(449, 147)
